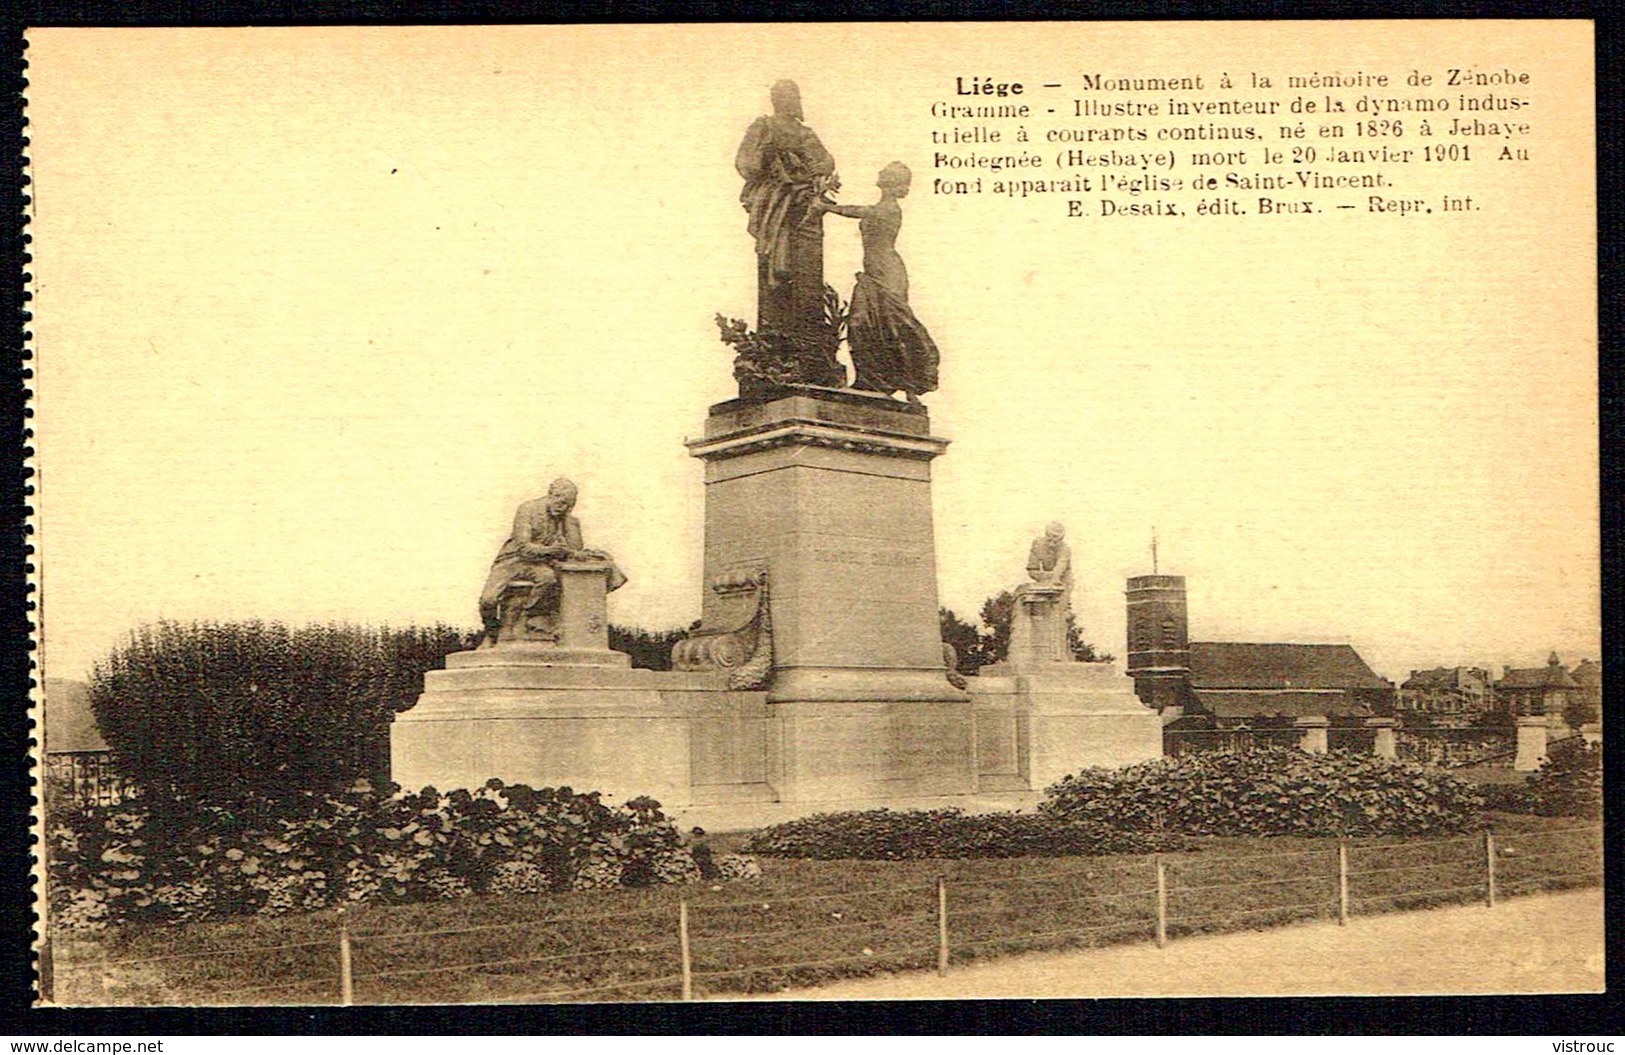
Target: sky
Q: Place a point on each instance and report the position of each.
(317, 308)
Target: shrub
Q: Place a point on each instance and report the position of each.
(1568, 784)
(649, 649)
(897, 835)
(1270, 791)
(1579, 711)
(214, 712)
(164, 860)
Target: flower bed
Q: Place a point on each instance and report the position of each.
(171, 861)
(898, 835)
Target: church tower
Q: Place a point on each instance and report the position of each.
(1158, 640)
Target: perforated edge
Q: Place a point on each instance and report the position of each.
(19, 394)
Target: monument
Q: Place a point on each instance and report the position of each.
(787, 173)
(826, 492)
(817, 673)
(544, 701)
(1043, 612)
(1041, 714)
(891, 350)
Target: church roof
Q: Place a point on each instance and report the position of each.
(1245, 665)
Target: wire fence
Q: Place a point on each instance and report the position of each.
(745, 942)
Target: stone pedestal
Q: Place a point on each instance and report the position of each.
(542, 717)
(1313, 728)
(1531, 742)
(583, 609)
(575, 713)
(1385, 744)
(830, 492)
(1038, 722)
(1038, 624)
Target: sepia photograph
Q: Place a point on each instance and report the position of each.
(815, 512)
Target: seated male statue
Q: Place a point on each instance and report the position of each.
(521, 597)
(1049, 564)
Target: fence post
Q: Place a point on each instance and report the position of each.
(682, 943)
(1162, 903)
(1342, 882)
(346, 983)
(942, 927)
(1489, 868)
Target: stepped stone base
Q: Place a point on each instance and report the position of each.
(517, 713)
(1036, 723)
(821, 499)
(689, 741)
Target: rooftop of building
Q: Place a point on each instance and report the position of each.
(1249, 665)
(1445, 678)
(1547, 677)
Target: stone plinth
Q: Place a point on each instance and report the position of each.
(1313, 727)
(583, 614)
(1531, 742)
(1038, 624)
(870, 751)
(1037, 723)
(522, 715)
(830, 492)
(575, 713)
(1385, 745)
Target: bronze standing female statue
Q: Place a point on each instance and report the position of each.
(890, 349)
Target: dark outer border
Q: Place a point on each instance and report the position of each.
(1571, 1016)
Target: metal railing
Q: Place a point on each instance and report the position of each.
(1177, 743)
(748, 942)
(1454, 748)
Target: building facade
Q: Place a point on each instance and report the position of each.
(1447, 696)
(1536, 690)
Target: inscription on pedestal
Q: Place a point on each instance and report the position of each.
(871, 558)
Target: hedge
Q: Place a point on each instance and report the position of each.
(214, 712)
(1272, 791)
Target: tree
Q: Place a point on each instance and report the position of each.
(965, 639)
(212, 712)
(1496, 718)
(1083, 651)
(1578, 711)
(998, 615)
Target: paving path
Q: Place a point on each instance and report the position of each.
(1548, 943)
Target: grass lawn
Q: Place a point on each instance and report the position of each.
(801, 923)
